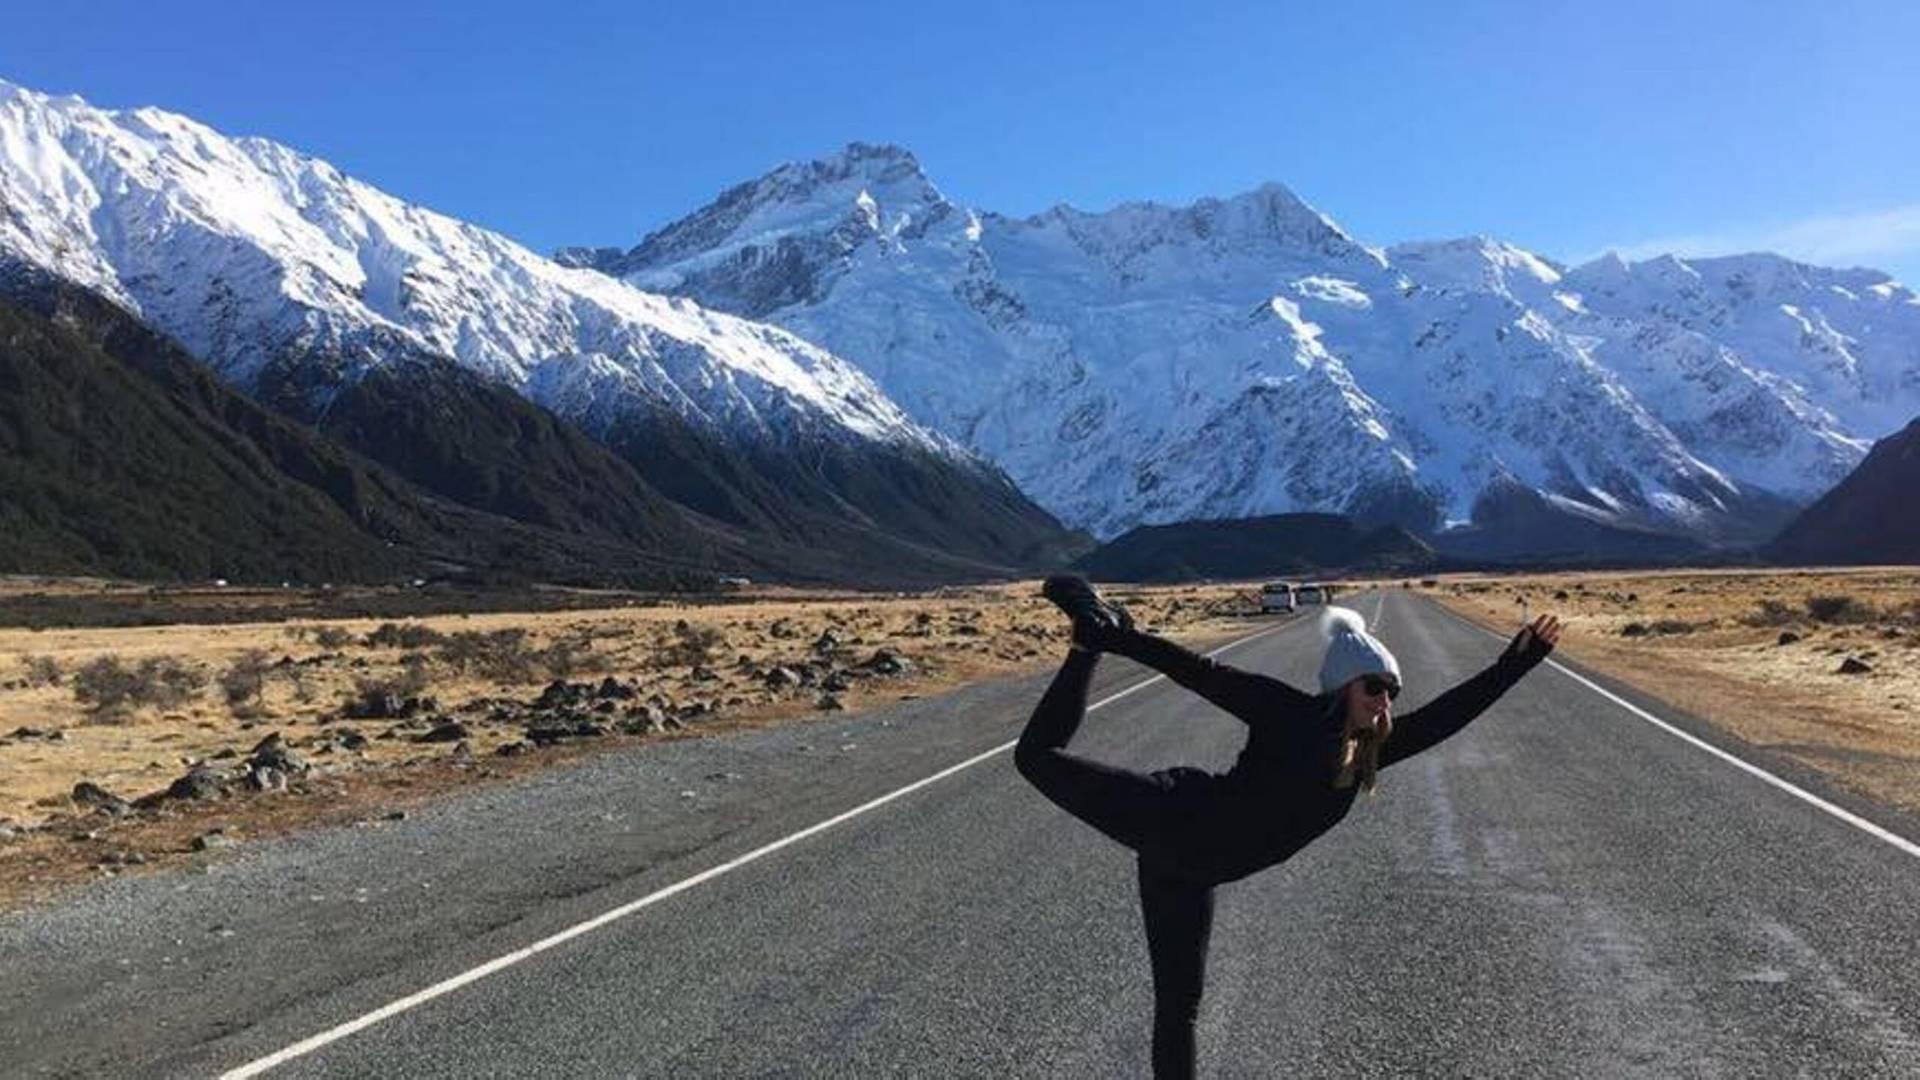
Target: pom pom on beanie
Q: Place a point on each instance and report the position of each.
(1351, 651)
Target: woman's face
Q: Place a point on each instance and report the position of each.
(1370, 703)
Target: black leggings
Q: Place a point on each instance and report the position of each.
(1129, 807)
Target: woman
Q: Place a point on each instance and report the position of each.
(1307, 757)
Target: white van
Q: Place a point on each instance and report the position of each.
(1276, 596)
(1313, 594)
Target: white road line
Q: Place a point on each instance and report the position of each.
(500, 963)
(1790, 788)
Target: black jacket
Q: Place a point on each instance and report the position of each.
(1279, 795)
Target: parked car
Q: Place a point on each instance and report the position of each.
(1276, 596)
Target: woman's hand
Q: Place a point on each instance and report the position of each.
(1534, 641)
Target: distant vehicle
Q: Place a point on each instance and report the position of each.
(1311, 594)
(734, 582)
(1276, 596)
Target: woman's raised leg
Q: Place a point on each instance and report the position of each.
(1123, 804)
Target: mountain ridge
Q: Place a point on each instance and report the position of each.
(1675, 401)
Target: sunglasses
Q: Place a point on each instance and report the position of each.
(1374, 685)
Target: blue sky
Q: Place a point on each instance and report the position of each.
(1566, 128)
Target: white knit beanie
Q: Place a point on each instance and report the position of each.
(1351, 651)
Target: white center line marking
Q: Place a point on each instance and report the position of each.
(1794, 790)
(499, 963)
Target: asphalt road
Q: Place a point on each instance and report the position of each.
(1562, 890)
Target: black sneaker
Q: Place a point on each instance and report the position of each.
(1093, 618)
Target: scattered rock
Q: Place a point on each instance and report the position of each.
(561, 694)
(780, 678)
(1635, 629)
(512, 749)
(207, 841)
(835, 682)
(349, 739)
(1853, 665)
(452, 731)
(395, 815)
(548, 732)
(648, 720)
(827, 642)
(199, 782)
(273, 752)
(888, 662)
(374, 705)
(266, 778)
(89, 794)
(613, 689)
(1788, 637)
(828, 703)
(702, 673)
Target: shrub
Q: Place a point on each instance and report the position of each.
(331, 637)
(404, 636)
(105, 685)
(1839, 609)
(1635, 629)
(689, 645)
(1769, 612)
(569, 656)
(42, 670)
(500, 655)
(243, 682)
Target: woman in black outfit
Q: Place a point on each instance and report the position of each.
(1307, 757)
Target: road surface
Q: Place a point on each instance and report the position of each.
(1564, 889)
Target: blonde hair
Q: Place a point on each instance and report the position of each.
(1359, 749)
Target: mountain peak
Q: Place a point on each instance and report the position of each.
(1476, 262)
(885, 172)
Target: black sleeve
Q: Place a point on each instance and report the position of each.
(1443, 716)
(1246, 694)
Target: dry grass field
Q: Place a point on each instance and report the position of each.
(1821, 665)
(128, 745)
(125, 745)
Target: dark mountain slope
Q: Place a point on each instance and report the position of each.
(120, 454)
(1872, 516)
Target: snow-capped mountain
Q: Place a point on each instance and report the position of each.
(244, 250)
(298, 282)
(1246, 356)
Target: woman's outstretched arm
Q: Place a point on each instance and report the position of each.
(1246, 694)
(1443, 716)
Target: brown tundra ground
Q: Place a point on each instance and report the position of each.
(98, 723)
(371, 714)
(1822, 666)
